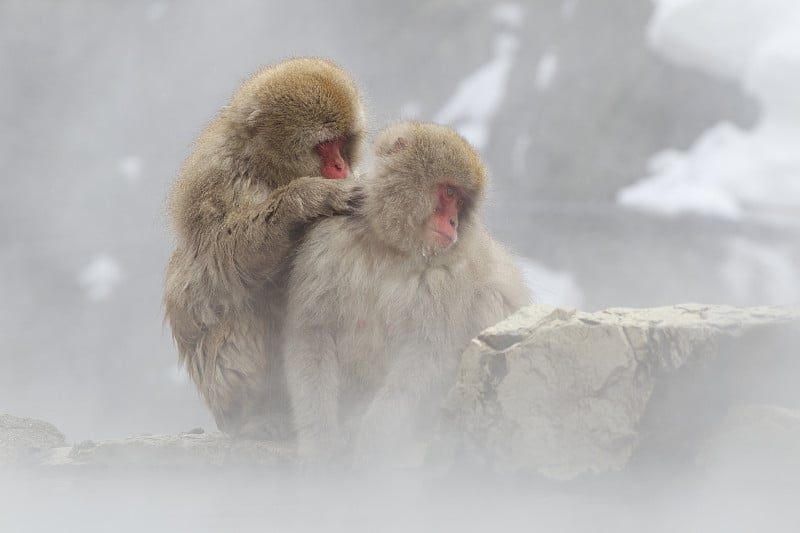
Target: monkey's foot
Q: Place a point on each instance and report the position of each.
(271, 429)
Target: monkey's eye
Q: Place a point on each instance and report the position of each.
(460, 204)
(450, 191)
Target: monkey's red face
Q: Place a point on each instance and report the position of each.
(333, 165)
(444, 223)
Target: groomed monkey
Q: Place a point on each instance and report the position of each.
(381, 304)
(238, 207)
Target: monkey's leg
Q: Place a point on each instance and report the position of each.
(235, 380)
(386, 433)
(313, 382)
(268, 416)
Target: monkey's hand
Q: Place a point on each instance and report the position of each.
(270, 230)
(308, 198)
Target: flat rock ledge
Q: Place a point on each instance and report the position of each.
(560, 394)
(191, 449)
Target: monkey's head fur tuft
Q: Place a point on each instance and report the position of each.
(278, 117)
(414, 160)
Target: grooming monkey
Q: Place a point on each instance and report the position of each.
(381, 304)
(239, 205)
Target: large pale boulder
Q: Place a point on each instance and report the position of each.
(562, 392)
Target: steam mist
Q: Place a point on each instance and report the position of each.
(640, 156)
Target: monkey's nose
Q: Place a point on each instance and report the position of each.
(453, 222)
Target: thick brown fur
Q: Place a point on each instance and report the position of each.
(378, 315)
(238, 206)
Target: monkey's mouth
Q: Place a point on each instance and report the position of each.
(442, 237)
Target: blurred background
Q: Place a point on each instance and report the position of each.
(641, 154)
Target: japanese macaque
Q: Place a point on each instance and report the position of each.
(381, 304)
(239, 205)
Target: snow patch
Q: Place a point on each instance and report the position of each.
(718, 36)
(550, 287)
(131, 168)
(510, 14)
(546, 71)
(479, 95)
(100, 277)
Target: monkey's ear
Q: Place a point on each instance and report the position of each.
(390, 148)
(253, 119)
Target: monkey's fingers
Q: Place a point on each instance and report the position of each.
(356, 200)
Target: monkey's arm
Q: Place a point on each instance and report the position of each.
(260, 236)
(505, 282)
(510, 284)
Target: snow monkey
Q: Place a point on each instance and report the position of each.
(238, 207)
(381, 304)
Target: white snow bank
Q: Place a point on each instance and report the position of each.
(730, 172)
(718, 36)
(726, 172)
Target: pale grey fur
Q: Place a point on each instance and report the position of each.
(375, 326)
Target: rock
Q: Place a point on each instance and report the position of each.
(24, 440)
(562, 393)
(559, 393)
(194, 448)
